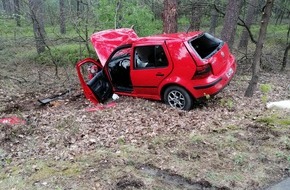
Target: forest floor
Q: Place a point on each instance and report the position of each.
(229, 142)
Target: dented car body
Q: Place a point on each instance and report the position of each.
(175, 68)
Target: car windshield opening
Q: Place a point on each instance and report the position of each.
(206, 45)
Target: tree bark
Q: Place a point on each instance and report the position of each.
(170, 16)
(196, 15)
(17, 12)
(248, 21)
(259, 46)
(37, 13)
(118, 15)
(214, 18)
(8, 6)
(62, 17)
(4, 5)
(285, 57)
(78, 7)
(230, 21)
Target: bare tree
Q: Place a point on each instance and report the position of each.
(170, 16)
(62, 17)
(37, 12)
(197, 11)
(230, 21)
(214, 18)
(4, 5)
(248, 21)
(17, 12)
(118, 15)
(8, 6)
(285, 57)
(259, 46)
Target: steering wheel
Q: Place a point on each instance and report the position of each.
(125, 63)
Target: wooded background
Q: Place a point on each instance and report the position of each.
(227, 142)
(60, 29)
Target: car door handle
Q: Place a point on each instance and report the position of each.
(159, 74)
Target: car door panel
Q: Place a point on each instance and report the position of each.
(146, 80)
(97, 87)
(100, 86)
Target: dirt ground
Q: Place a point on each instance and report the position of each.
(228, 142)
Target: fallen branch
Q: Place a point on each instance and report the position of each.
(13, 78)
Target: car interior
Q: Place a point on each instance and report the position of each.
(206, 45)
(150, 56)
(119, 70)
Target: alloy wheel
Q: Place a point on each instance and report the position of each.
(176, 99)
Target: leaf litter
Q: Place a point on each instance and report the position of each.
(228, 141)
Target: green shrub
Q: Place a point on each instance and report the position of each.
(65, 54)
(265, 89)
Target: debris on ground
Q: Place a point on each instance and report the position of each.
(284, 104)
(13, 120)
(52, 98)
(101, 107)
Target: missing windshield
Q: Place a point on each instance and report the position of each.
(206, 45)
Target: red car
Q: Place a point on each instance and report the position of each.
(175, 68)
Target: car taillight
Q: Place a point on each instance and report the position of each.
(202, 72)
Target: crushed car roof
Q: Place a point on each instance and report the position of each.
(106, 41)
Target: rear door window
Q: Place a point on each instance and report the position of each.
(149, 57)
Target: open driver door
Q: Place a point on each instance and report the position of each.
(94, 81)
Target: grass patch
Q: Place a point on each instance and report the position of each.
(40, 172)
(274, 119)
(227, 102)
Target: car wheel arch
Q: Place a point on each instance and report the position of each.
(163, 89)
(179, 97)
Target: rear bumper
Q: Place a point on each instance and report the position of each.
(208, 85)
(214, 85)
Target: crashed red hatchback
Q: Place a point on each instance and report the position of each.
(175, 68)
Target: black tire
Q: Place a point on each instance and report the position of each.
(178, 97)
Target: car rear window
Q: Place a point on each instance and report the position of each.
(206, 45)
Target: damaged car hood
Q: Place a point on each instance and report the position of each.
(106, 41)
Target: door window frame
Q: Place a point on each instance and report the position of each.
(162, 58)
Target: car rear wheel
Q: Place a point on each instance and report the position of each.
(178, 97)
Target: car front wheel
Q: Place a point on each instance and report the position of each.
(178, 97)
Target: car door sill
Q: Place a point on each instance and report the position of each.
(123, 89)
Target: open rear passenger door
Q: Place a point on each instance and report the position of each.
(94, 81)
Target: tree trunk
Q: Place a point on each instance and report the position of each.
(37, 13)
(214, 18)
(170, 16)
(62, 17)
(4, 5)
(196, 15)
(8, 6)
(259, 46)
(118, 15)
(78, 8)
(285, 57)
(248, 21)
(17, 12)
(230, 21)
